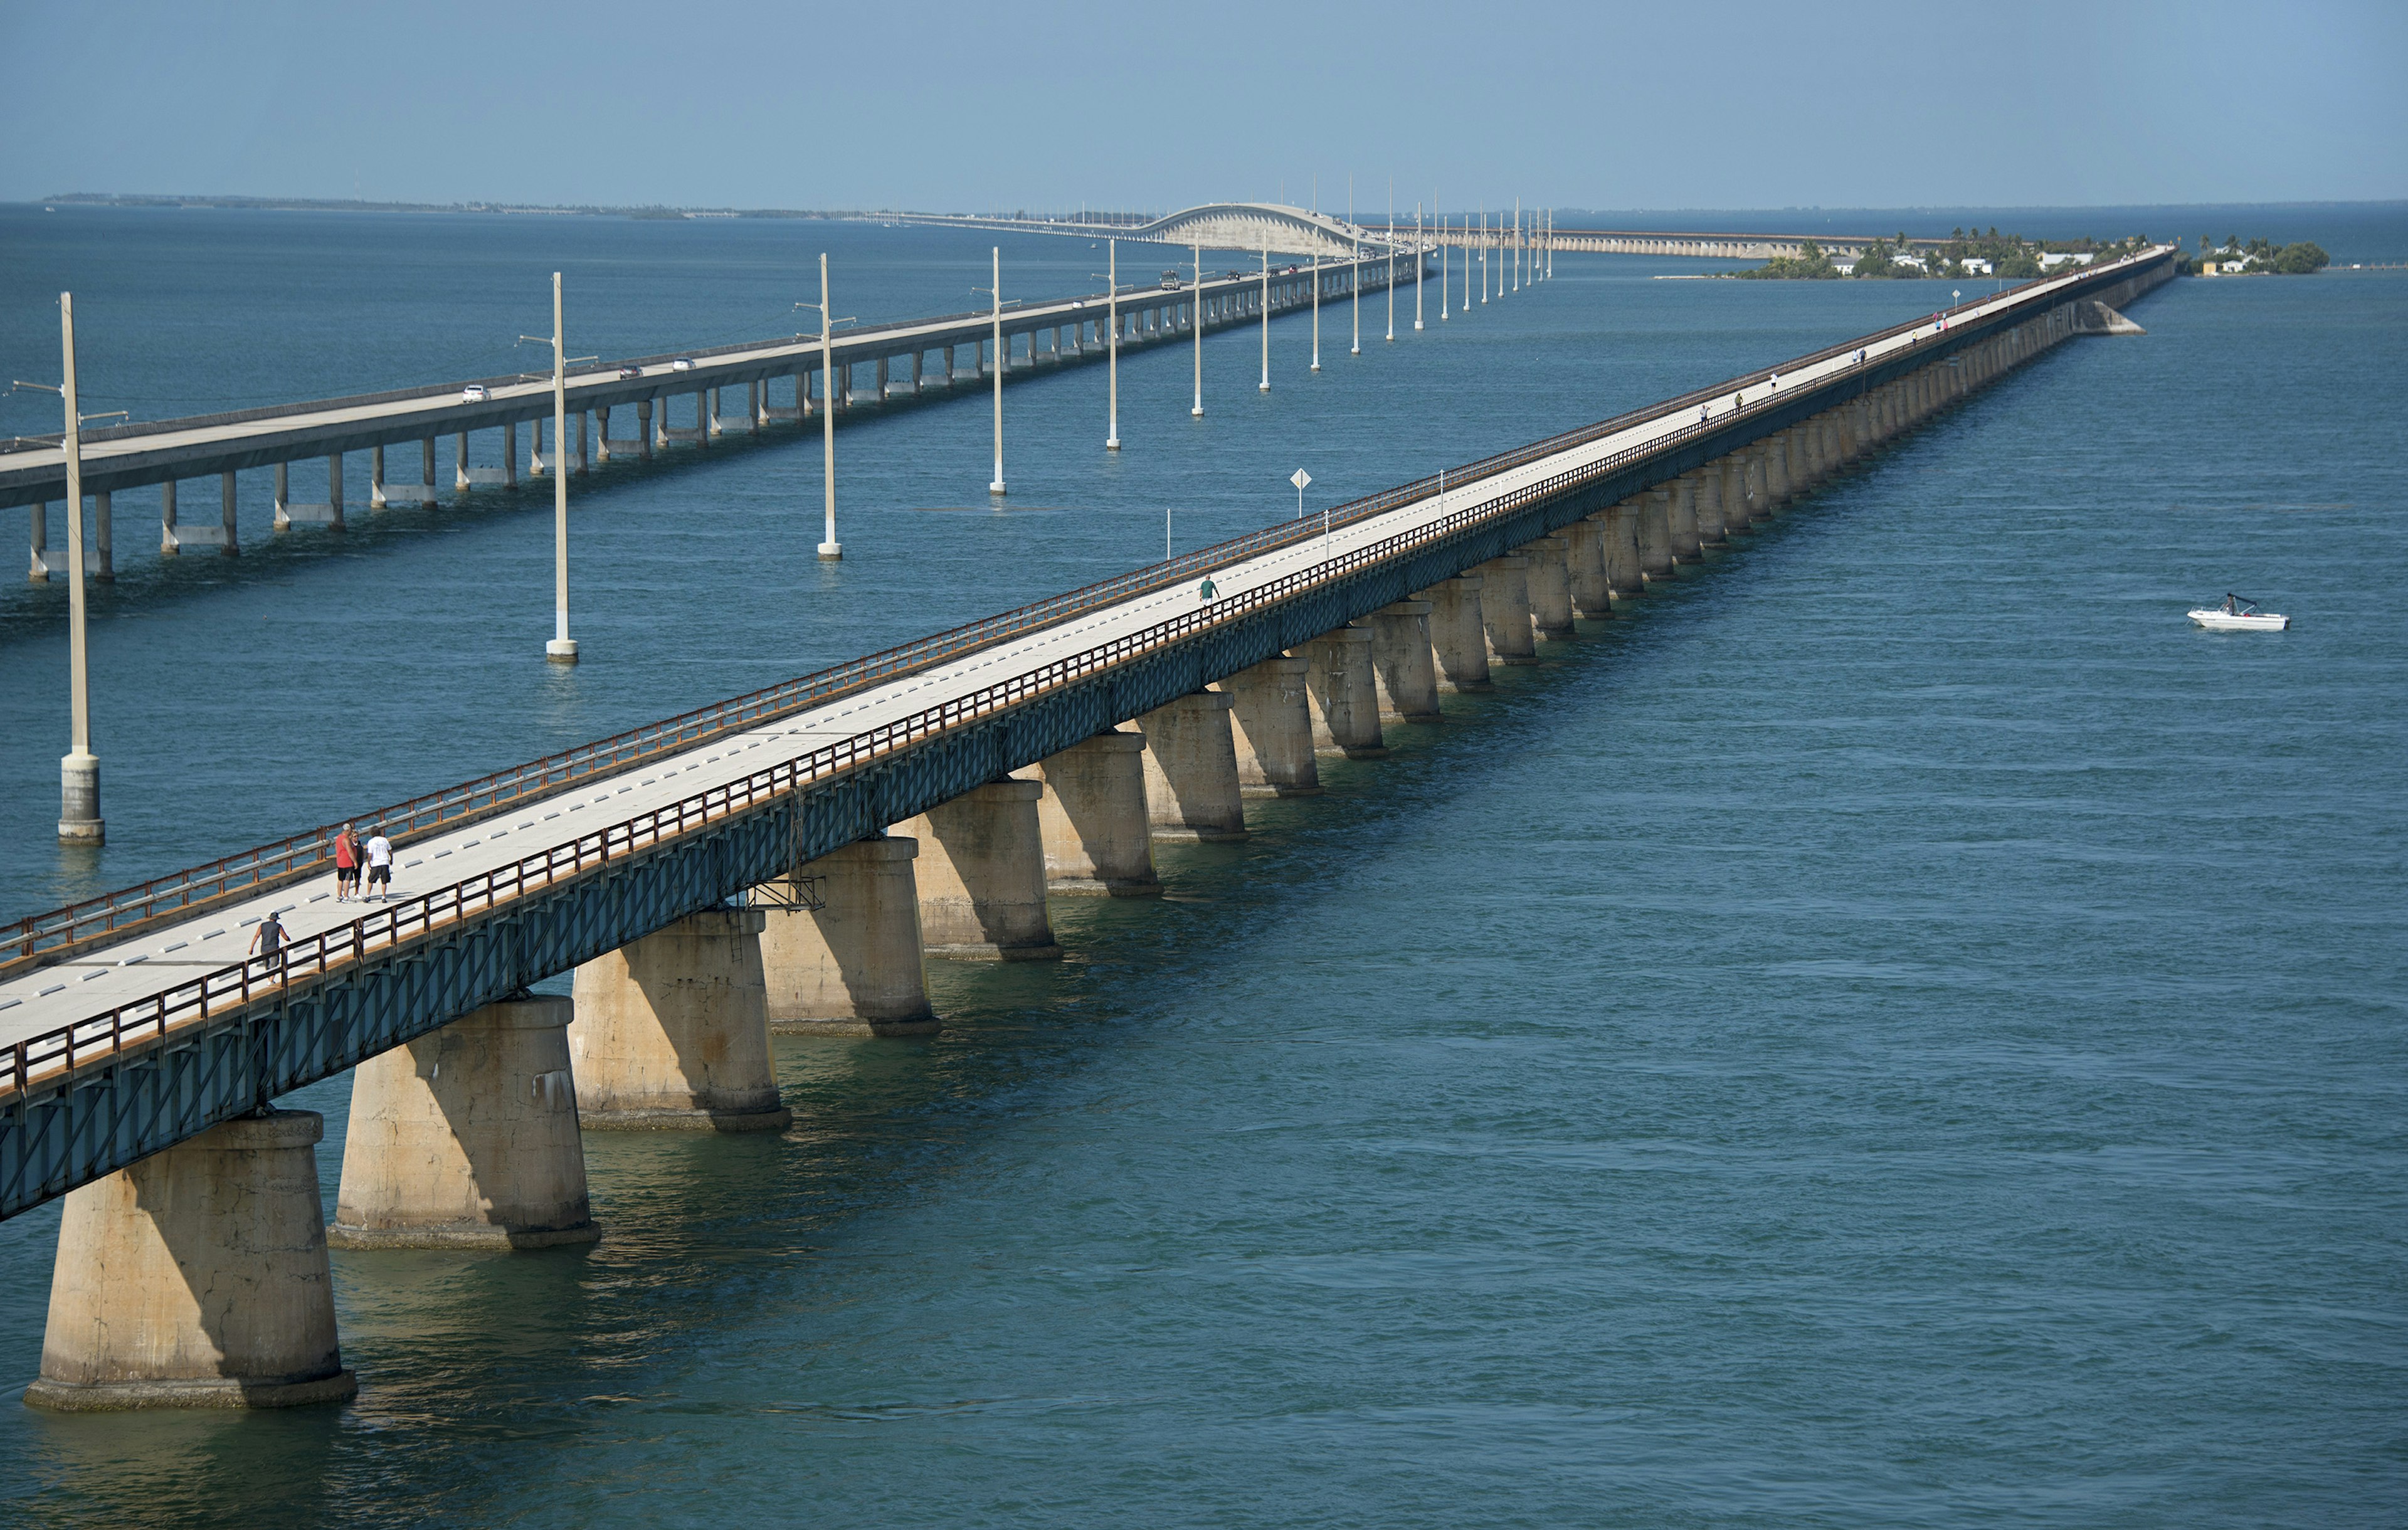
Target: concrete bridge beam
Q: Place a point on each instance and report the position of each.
(1458, 643)
(672, 1030)
(1505, 610)
(1191, 770)
(197, 1277)
(1098, 840)
(1342, 687)
(981, 875)
(467, 1138)
(1403, 670)
(1273, 730)
(851, 967)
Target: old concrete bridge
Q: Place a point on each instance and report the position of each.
(785, 862)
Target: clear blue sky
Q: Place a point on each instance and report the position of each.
(1728, 104)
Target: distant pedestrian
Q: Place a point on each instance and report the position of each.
(1703, 410)
(268, 939)
(1206, 590)
(347, 864)
(379, 863)
(1776, 382)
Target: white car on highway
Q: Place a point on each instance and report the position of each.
(474, 394)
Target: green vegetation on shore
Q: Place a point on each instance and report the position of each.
(1962, 256)
(2258, 257)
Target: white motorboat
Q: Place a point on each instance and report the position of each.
(2239, 614)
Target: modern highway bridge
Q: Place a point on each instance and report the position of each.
(901, 360)
(783, 858)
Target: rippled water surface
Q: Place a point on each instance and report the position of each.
(1905, 1031)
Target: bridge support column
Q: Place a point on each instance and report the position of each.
(851, 967)
(1459, 646)
(672, 1030)
(1403, 671)
(1191, 770)
(1655, 535)
(460, 462)
(510, 455)
(982, 882)
(1681, 520)
(1549, 585)
(334, 490)
(1098, 839)
(376, 480)
(1624, 576)
(37, 566)
(1590, 591)
(1505, 610)
(1706, 497)
(1273, 730)
(104, 550)
(467, 1138)
(197, 1277)
(644, 442)
(1344, 694)
(1776, 476)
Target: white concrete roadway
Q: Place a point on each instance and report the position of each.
(49, 997)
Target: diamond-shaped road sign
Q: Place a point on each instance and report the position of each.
(1301, 479)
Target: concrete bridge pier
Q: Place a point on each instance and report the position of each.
(645, 444)
(1505, 610)
(1098, 840)
(1655, 558)
(1624, 577)
(1273, 726)
(981, 875)
(467, 1138)
(1776, 476)
(1681, 520)
(1706, 495)
(1191, 770)
(1404, 673)
(1590, 591)
(197, 1277)
(672, 1030)
(852, 965)
(1458, 643)
(1342, 688)
(1549, 583)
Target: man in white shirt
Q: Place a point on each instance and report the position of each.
(379, 863)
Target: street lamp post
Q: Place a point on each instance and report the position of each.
(996, 486)
(80, 819)
(1445, 274)
(1355, 287)
(1316, 302)
(1195, 316)
(1392, 263)
(1267, 318)
(1112, 346)
(1420, 262)
(562, 650)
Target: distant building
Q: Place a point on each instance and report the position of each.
(1916, 261)
(1976, 267)
(1845, 269)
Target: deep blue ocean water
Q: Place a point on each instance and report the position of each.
(1905, 1031)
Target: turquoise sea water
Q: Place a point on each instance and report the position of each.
(1905, 1031)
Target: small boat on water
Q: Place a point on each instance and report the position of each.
(2239, 613)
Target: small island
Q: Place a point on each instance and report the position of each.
(2257, 258)
(1961, 255)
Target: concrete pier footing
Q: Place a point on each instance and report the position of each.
(1343, 690)
(1272, 725)
(1505, 610)
(1458, 641)
(467, 1138)
(852, 965)
(197, 1277)
(1404, 673)
(1191, 770)
(1099, 841)
(1549, 584)
(672, 1030)
(981, 875)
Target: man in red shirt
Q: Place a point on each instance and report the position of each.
(347, 865)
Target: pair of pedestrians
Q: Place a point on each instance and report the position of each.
(352, 855)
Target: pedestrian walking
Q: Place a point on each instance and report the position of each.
(379, 863)
(1206, 590)
(268, 939)
(347, 864)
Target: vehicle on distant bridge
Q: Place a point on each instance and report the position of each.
(1170, 283)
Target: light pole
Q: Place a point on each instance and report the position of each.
(1517, 244)
(1316, 304)
(1392, 263)
(1445, 274)
(80, 819)
(1267, 318)
(996, 486)
(830, 549)
(1354, 286)
(562, 650)
(1421, 261)
(1112, 346)
(1484, 257)
(1195, 314)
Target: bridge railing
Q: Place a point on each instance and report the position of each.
(111, 914)
(147, 1020)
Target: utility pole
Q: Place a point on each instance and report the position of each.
(1113, 348)
(997, 486)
